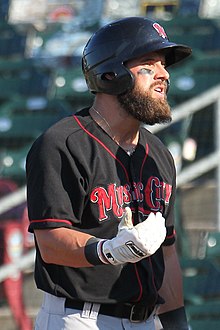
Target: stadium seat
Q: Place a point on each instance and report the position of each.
(41, 37)
(207, 310)
(194, 77)
(23, 77)
(189, 7)
(199, 33)
(61, 40)
(22, 120)
(12, 163)
(213, 246)
(210, 324)
(69, 83)
(204, 316)
(200, 280)
(12, 41)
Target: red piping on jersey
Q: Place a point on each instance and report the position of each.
(52, 220)
(173, 234)
(144, 160)
(153, 281)
(139, 282)
(103, 145)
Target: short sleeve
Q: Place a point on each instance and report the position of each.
(51, 195)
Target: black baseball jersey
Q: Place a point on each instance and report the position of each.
(79, 178)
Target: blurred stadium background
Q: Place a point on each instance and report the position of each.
(41, 81)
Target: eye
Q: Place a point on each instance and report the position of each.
(146, 70)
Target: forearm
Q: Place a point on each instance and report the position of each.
(172, 289)
(172, 314)
(63, 246)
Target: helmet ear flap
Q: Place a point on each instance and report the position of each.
(108, 76)
(114, 82)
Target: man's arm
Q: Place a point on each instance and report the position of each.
(171, 289)
(62, 246)
(172, 313)
(72, 248)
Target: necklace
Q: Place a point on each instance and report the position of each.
(107, 128)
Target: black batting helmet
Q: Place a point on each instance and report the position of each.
(122, 40)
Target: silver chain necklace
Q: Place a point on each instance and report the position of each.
(109, 131)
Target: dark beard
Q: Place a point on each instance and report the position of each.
(145, 108)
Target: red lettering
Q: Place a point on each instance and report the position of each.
(107, 200)
(152, 193)
(167, 191)
(127, 194)
(100, 196)
(155, 194)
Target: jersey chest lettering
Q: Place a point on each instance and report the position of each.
(151, 197)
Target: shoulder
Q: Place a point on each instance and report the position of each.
(68, 125)
(56, 137)
(157, 149)
(153, 140)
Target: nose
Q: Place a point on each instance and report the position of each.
(161, 72)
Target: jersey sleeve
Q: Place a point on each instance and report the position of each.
(170, 213)
(54, 184)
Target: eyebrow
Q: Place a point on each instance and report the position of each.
(153, 58)
(143, 60)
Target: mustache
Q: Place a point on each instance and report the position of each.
(164, 83)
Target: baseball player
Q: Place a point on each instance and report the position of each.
(101, 191)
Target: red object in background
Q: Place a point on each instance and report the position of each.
(13, 242)
(62, 13)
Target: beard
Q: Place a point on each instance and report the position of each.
(144, 107)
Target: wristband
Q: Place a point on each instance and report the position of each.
(174, 320)
(91, 253)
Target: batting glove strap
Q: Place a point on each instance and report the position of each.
(174, 320)
(91, 252)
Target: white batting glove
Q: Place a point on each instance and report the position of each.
(133, 243)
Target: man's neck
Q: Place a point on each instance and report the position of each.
(119, 125)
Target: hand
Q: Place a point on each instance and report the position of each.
(133, 243)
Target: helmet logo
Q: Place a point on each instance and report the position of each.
(160, 30)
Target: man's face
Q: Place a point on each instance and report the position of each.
(147, 101)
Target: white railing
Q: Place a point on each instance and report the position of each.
(14, 199)
(26, 261)
(198, 168)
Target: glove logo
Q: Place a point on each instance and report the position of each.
(109, 256)
(135, 249)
